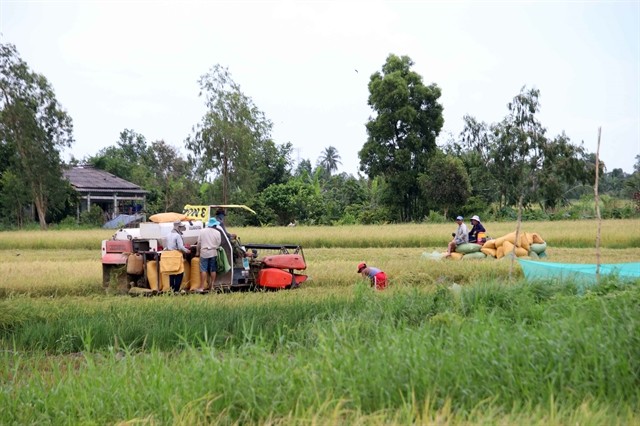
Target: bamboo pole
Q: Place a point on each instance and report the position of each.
(516, 242)
(597, 199)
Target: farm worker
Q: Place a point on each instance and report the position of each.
(377, 277)
(461, 236)
(220, 216)
(208, 242)
(238, 251)
(476, 231)
(172, 259)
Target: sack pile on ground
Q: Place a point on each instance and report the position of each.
(529, 244)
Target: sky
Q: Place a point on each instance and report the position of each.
(135, 64)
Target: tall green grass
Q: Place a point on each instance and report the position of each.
(387, 357)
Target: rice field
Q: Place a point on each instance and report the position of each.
(488, 350)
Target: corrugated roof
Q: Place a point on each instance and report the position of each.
(85, 178)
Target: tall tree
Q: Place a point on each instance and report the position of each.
(329, 160)
(129, 159)
(514, 157)
(33, 129)
(173, 177)
(446, 183)
(402, 135)
(157, 167)
(225, 140)
(272, 165)
(304, 168)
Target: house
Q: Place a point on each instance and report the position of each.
(104, 190)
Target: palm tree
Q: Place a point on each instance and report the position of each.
(329, 159)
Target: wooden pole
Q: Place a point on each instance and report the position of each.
(517, 240)
(597, 199)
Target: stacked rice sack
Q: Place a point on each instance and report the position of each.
(529, 244)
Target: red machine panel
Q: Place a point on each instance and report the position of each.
(119, 246)
(285, 261)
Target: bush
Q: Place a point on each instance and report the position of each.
(69, 222)
(435, 217)
(373, 215)
(534, 214)
(506, 213)
(93, 217)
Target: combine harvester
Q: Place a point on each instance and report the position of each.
(131, 258)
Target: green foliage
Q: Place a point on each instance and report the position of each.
(227, 138)
(338, 193)
(514, 159)
(92, 217)
(157, 167)
(272, 165)
(445, 184)
(33, 130)
(14, 198)
(436, 217)
(293, 201)
(69, 222)
(402, 134)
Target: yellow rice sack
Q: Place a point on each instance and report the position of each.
(166, 283)
(500, 252)
(510, 237)
(529, 237)
(195, 274)
(491, 244)
(524, 242)
(186, 277)
(489, 251)
(167, 217)
(152, 277)
(537, 239)
(521, 252)
(456, 256)
(507, 246)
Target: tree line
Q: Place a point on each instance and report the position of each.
(489, 169)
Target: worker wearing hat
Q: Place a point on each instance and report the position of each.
(478, 233)
(378, 277)
(209, 241)
(461, 236)
(171, 260)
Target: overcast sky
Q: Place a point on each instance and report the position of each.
(135, 65)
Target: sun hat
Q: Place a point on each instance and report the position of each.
(361, 266)
(212, 222)
(475, 217)
(459, 218)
